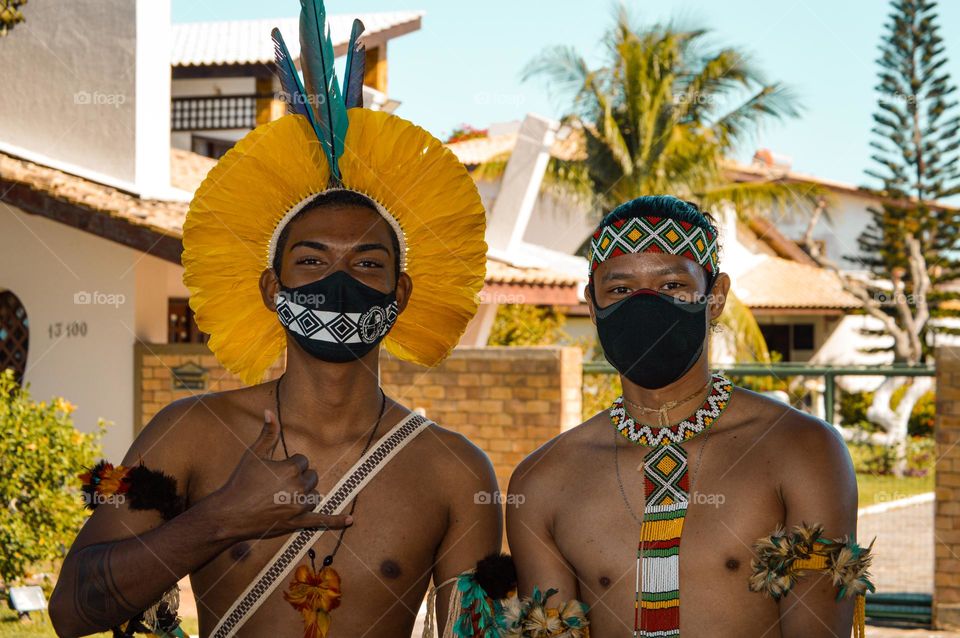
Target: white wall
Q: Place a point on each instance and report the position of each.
(87, 88)
(848, 219)
(49, 266)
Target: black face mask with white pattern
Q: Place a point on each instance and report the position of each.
(338, 318)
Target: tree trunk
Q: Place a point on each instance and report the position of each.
(894, 422)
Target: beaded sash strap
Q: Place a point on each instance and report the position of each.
(666, 482)
(298, 544)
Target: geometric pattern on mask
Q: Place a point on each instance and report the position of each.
(699, 421)
(337, 327)
(651, 234)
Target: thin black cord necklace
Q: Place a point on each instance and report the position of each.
(328, 560)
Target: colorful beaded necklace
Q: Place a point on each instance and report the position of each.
(666, 486)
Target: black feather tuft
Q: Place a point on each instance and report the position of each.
(154, 490)
(497, 575)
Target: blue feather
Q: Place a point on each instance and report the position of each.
(316, 60)
(289, 79)
(356, 64)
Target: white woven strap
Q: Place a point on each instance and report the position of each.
(299, 544)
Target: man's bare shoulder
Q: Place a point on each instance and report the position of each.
(187, 425)
(550, 464)
(793, 437)
(451, 454)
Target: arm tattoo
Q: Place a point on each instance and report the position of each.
(97, 600)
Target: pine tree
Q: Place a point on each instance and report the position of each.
(917, 152)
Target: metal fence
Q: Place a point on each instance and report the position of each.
(788, 370)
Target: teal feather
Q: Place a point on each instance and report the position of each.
(316, 60)
(356, 64)
(290, 80)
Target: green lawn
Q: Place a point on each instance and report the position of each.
(10, 626)
(882, 489)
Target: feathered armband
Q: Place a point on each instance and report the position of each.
(485, 604)
(141, 489)
(782, 559)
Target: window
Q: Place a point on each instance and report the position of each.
(210, 146)
(14, 335)
(790, 339)
(181, 327)
(803, 336)
(777, 337)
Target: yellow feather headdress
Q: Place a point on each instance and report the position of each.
(419, 186)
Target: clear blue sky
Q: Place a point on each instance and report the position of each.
(464, 65)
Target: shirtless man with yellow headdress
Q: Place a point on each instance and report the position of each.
(313, 504)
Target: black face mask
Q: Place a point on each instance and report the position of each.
(651, 338)
(337, 318)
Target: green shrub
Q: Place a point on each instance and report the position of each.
(41, 454)
(854, 405)
(880, 459)
(525, 325)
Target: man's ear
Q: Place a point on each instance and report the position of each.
(718, 295)
(269, 287)
(404, 290)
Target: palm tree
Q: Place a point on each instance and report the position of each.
(663, 116)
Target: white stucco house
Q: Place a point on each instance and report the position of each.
(801, 308)
(96, 178)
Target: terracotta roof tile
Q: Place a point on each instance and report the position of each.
(780, 283)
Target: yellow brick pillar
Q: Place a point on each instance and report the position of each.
(946, 586)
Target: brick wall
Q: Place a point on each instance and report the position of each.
(508, 401)
(946, 587)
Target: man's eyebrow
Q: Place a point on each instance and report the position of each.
(617, 275)
(309, 243)
(362, 248)
(671, 270)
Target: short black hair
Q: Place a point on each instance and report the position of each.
(662, 206)
(341, 197)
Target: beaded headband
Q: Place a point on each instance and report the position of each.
(653, 234)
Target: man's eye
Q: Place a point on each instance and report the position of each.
(673, 285)
(620, 290)
(368, 263)
(310, 261)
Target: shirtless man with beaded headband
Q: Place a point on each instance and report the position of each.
(313, 504)
(650, 512)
